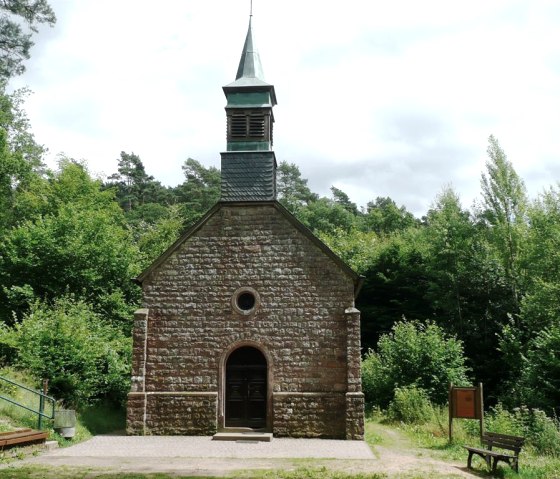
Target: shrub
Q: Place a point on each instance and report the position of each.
(541, 432)
(410, 405)
(83, 358)
(413, 354)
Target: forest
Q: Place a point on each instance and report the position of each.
(487, 277)
(464, 294)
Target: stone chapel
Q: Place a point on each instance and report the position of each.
(249, 319)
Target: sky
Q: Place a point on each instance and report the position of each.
(376, 98)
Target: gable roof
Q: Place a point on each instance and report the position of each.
(357, 279)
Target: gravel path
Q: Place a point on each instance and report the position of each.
(200, 456)
(204, 447)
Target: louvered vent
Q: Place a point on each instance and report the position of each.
(247, 126)
(256, 126)
(238, 127)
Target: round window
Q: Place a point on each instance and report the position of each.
(245, 301)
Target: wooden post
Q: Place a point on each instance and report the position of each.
(481, 410)
(450, 413)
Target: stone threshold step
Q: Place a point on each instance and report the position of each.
(248, 436)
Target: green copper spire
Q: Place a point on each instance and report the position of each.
(250, 62)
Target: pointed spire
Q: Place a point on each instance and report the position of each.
(250, 62)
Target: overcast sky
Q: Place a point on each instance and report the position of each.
(377, 98)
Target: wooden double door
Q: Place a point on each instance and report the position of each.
(246, 389)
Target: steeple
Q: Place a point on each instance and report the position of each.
(249, 165)
(250, 62)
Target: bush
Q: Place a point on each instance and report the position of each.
(413, 354)
(541, 432)
(410, 405)
(67, 343)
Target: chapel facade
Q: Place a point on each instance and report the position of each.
(248, 319)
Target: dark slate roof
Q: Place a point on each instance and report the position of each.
(248, 176)
(357, 279)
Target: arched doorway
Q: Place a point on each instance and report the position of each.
(246, 388)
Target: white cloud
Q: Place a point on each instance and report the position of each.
(378, 98)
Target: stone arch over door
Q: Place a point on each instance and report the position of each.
(245, 394)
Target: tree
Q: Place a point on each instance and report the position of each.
(540, 378)
(504, 211)
(20, 156)
(68, 343)
(342, 199)
(383, 216)
(134, 186)
(200, 190)
(15, 42)
(75, 241)
(413, 354)
(293, 191)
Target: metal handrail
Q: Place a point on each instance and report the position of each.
(42, 397)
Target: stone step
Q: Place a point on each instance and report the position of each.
(246, 436)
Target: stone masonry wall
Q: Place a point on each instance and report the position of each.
(300, 324)
(309, 415)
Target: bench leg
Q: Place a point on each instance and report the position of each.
(495, 465)
(469, 460)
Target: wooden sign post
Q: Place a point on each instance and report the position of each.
(465, 403)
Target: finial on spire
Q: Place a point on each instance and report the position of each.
(251, 11)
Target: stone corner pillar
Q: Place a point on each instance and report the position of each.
(136, 401)
(354, 395)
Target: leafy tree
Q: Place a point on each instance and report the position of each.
(326, 216)
(200, 190)
(413, 354)
(292, 189)
(157, 237)
(15, 42)
(356, 248)
(395, 285)
(504, 211)
(342, 199)
(68, 343)
(135, 188)
(540, 378)
(383, 216)
(75, 241)
(20, 156)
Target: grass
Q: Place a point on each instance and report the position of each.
(99, 419)
(432, 438)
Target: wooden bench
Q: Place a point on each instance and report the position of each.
(503, 441)
(21, 437)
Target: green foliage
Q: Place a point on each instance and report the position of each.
(413, 354)
(504, 211)
(154, 239)
(326, 216)
(541, 432)
(383, 216)
(76, 241)
(356, 248)
(200, 190)
(410, 405)
(540, 376)
(68, 343)
(292, 189)
(15, 42)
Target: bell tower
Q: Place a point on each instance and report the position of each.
(249, 164)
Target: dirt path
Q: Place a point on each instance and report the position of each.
(395, 457)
